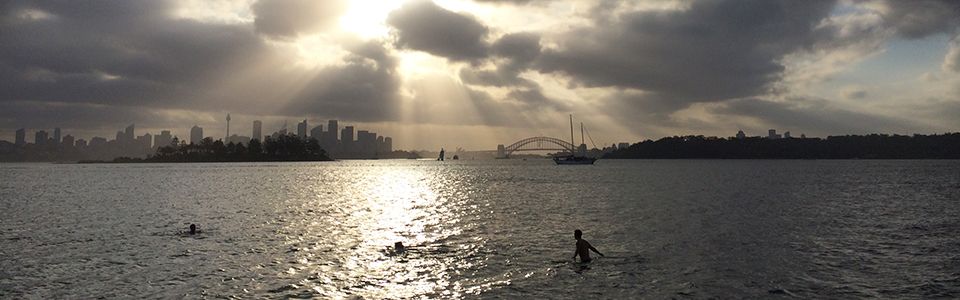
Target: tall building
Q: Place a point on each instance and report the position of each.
(333, 128)
(98, 141)
(380, 148)
(128, 134)
(366, 142)
(388, 144)
(40, 137)
(741, 135)
(346, 140)
(228, 127)
(81, 143)
(317, 132)
(623, 145)
(196, 135)
(786, 135)
(302, 130)
(163, 139)
(257, 130)
(56, 135)
(144, 141)
(21, 137)
(67, 141)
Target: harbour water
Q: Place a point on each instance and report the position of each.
(482, 229)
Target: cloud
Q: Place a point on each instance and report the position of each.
(424, 26)
(711, 51)
(137, 54)
(288, 18)
(814, 116)
(951, 63)
(365, 88)
(920, 18)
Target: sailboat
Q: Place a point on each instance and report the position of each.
(574, 159)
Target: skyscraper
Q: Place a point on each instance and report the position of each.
(302, 130)
(333, 128)
(21, 137)
(388, 144)
(163, 139)
(128, 134)
(257, 130)
(196, 135)
(346, 140)
(317, 132)
(40, 137)
(56, 135)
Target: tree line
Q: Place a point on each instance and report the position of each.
(873, 146)
(281, 148)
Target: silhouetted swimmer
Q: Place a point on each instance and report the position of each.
(193, 229)
(399, 248)
(583, 247)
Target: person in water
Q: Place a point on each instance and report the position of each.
(583, 247)
(399, 248)
(193, 229)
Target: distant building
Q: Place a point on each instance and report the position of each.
(81, 143)
(257, 130)
(741, 135)
(98, 141)
(302, 130)
(128, 134)
(163, 139)
(196, 135)
(56, 135)
(317, 132)
(40, 137)
(803, 136)
(388, 144)
(145, 141)
(366, 142)
(347, 144)
(786, 135)
(333, 128)
(772, 134)
(21, 137)
(623, 145)
(67, 141)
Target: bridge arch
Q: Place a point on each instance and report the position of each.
(538, 143)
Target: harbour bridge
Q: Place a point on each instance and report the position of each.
(537, 143)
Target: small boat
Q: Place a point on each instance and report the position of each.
(456, 157)
(574, 159)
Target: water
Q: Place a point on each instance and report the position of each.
(487, 229)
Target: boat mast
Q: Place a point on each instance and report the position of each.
(571, 135)
(581, 134)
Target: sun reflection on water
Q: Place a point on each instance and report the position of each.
(358, 227)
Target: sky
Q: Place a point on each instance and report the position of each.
(474, 74)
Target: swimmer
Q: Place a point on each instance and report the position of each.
(398, 247)
(193, 229)
(583, 248)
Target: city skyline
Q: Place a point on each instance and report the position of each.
(632, 70)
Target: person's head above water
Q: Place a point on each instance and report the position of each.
(193, 228)
(577, 234)
(398, 247)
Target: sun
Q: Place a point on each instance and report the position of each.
(368, 18)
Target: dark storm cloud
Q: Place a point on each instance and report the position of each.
(920, 18)
(116, 55)
(714, 50)
(366, 88)
(122, 52)
(287, 18)
(424, 26)
(513, 53)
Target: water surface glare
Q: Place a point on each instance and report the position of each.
(488, 229)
